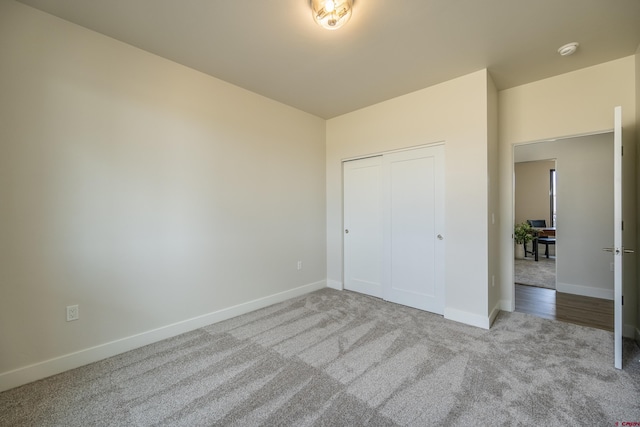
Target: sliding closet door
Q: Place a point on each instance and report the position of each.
(363, 226)
(394, 225)
(413, 227)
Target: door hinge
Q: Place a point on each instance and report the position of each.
(622, 225)
(622, 150)
(622, 300)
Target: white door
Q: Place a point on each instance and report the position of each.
(618, 247)
(413, 264)
(363, 226)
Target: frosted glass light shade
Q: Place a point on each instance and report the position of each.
(331, 14)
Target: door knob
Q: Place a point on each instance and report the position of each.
(440, 237)
(614, 250)
(346, 231)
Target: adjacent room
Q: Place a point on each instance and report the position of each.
(303, 212)
(535, 216)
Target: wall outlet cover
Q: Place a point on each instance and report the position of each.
(73, 312)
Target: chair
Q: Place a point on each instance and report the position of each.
(534, 240)
(546, 241)
(537, 223)
(543, 238)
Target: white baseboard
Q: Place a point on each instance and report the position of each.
(506, 305)
(494, 313)
(40, 370)
(334, 284)
(586, 291)
(467, 318)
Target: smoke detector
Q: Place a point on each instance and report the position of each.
(568, 49)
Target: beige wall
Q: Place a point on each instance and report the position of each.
(455, 113)
(575, 103)
(532, 190)
(144, 191)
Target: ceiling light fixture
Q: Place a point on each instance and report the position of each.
(568, 49)
(331, 14)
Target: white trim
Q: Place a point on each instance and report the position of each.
(617, 237)
(560, 138)
(587, 291)
(69, 361)
(467, 318)
(494, 313)
(334, 284)
(507, 305)
(382, 153)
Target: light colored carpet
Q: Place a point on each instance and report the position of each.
(336, 358)
(541, 273)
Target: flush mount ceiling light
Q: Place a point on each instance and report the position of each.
(568, 49)
(331, 14)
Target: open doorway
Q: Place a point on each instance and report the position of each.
(535, 206)
(582, 290)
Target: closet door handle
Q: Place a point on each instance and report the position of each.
(440, 237)
(346, 231)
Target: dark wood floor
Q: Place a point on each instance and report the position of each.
(547, 303)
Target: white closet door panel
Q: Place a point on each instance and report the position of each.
(413, 220)
(363, 226)
(412, 226)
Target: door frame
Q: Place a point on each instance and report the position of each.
(618, 327)
(513, 192)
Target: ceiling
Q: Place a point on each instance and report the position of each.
(388, 49)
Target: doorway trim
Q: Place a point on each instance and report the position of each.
(512, 301)
(382, 153)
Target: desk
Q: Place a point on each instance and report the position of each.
(546, 236)
(544, 232)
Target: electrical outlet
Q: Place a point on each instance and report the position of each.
(299, 265)
(73, 312)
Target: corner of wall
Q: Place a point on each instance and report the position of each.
(493, 194)
(470, 319)
(334, 284)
